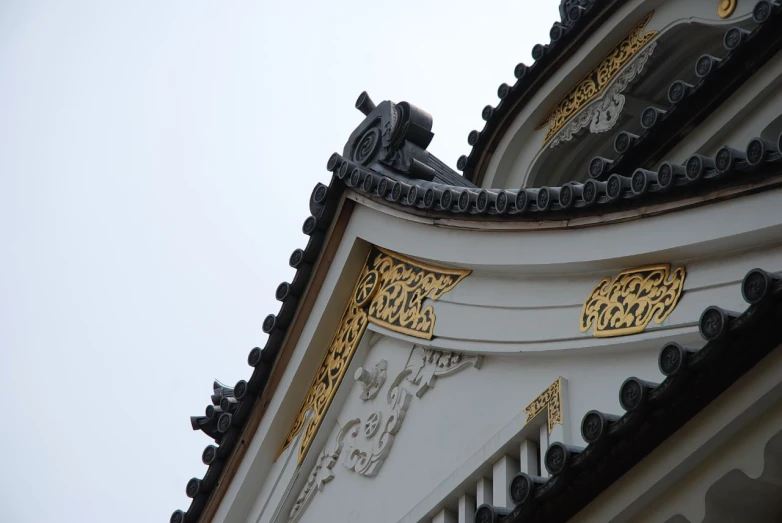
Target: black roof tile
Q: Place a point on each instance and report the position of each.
(577, 19)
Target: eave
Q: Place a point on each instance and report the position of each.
(719, 77)
(270, 362)
(548, 58)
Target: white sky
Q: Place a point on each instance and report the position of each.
(156, 159)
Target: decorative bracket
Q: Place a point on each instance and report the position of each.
(365, 445)
(373, 380)
(549, 400)
(391, 292)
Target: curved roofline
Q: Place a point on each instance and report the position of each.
(620, 215)
(730, 173)
(529, 79)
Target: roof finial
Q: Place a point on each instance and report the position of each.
(365, 103)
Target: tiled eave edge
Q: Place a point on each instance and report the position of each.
(721, 79)
(635, 186)
(270, 362)
(529, 80)
(532, 223)
(693, 379)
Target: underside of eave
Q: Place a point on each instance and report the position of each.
(498, 128)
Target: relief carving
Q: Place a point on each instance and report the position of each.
(373, 380)
(364, 443)
(322, 472)
(392, 291)
(602, 114)
(434, 364)
(597, 81)
(367, 451)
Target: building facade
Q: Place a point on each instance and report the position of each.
(583, 325)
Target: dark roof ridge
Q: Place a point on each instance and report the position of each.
(392, 141)
(641, 187)
(735, 342)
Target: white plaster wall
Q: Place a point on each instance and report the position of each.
(457, 417)
(743, 116)
(511, 315)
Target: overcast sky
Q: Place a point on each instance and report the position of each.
(156, 158)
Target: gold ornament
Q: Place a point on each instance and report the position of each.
(390, 292)
(628, 304)
(725, 8)
(598, 78)
(549, 400)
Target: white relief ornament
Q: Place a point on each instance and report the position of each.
(364, 446)
(367, 454)
(372, 380)
(372, 424)
(602, 114)
(428, 364)
(322, 472)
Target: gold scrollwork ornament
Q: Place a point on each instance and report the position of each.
(628, 303)
(366, 288)
(549, 400)
(725, 8)
(598, 79)
(390, 292)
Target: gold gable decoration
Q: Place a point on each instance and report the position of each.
(390, 292)
(598, 78)
(549, 400)
(725, 8)
(628, 303)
